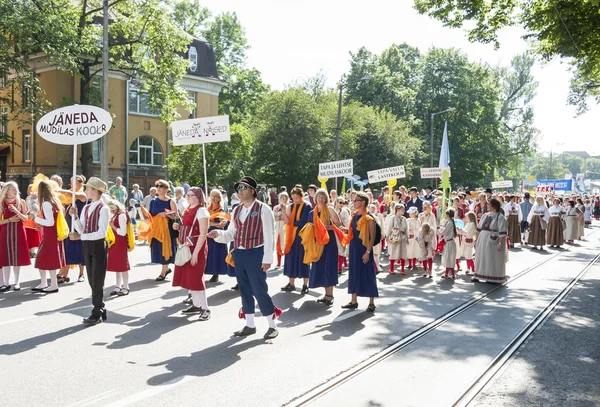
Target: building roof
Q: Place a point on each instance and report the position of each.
(207, 63)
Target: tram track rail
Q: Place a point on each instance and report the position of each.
(396, 347)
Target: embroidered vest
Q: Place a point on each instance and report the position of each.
(93, 219)
(249, 234)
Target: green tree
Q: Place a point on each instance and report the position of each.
(557, 28)
(541, 167)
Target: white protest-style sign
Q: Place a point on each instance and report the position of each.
(343, 168)
(201, 130)
(434, 172)
(76, 124)
(385, 174)
(502, 184)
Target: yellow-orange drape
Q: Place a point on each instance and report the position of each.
(315, 236)
(363, 229)
(290, 231)
(159, 230)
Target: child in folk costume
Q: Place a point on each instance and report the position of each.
(587, 215)
(118, 258)
(427, 216)
(449, 235)
(413, 225)
(344, 215)
(427, 244)
(468, 234)
(280, 225)
(571, 215)
(538, 221)
(513, 213)
(34, 235)
(397, 233)
(14, 251)
(596, 209)
(580, 218)
(556, 232)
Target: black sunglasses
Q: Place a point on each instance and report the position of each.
(160, 186)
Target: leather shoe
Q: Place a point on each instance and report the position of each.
(271, 333)
(192, 310)
(93, 320)
(245, 331)
(47, 291)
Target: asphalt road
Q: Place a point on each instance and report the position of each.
(149, 354)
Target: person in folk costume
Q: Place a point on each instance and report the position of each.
(362, 281)
(34, 235)
(572, 213)
(580, 218)
(118, 258)
(413, 226)
(372, 209)
(596, 205)
(320, 247)
(468, 234)
(14, 251)
(51, 254)
(449, 234)
(512, 211)
(383, 209)
(161, 236)
(73, 248)
(280, 223)
(556, 234)
(587, 215)
(344, 216)
(230, 269)
(538, 220)
(252, 228)
(91, 226)
(295, 216)
(459, 214)
(397, 233)
(192, 232)
(490, 262)
(217, 252)
(427, 216)
(480, 207)
(427, 244)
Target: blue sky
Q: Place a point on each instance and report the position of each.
(292, 40)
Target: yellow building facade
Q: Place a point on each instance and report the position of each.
(138, 142)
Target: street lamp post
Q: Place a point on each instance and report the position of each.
(104, 142)
(431, 131)
(338, 128)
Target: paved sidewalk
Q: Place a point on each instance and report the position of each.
(560, 364)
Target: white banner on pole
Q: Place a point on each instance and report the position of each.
(201, 130)
(385, 174)
(343, 168)
(73, 125)
(434, 172)
(502, 184)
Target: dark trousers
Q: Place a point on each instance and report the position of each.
(94, 255)
(524, 226)
(252, 280)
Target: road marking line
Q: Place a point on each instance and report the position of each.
(151, 392)
(92, 400)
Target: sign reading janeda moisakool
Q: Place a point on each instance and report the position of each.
(77, 124)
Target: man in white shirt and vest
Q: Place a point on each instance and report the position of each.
(91, 228)
(252, 229)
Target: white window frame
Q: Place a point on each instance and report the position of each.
(193, 58)
(3, 79)
(154, 150)
(4, 120)
(26, 145)
(192, 97)
(134, 100)
(96, 148)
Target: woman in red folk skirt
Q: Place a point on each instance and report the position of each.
(118, 258)
(192, 233)
(13, 240)
(51, 254)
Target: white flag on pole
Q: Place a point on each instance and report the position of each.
(445, 152)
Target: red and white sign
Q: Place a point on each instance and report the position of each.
(543, 189)
(200, 131)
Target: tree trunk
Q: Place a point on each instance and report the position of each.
(87, 152)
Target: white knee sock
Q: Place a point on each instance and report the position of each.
(119, 280)
(250, 320)
(196, 298)
(203, 300)
(125, 280)
(2, 278)
(17, 271)
(53, 280)
(43, 279)
(271, 321)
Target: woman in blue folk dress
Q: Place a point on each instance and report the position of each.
(73, 248)
(361, 237)
(164, 212)
(323, 272)
(217, 252)
(295, 216)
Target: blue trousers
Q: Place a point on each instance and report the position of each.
(252, 280)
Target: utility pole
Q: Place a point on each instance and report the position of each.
(104, 142)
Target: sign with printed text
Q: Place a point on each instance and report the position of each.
(343, 168)
(557, 184)
(542, 189)
(385, 174)
(502, 184)
(201, 130)
(434, 172)
(76, 124)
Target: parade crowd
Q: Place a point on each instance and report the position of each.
(317, 235)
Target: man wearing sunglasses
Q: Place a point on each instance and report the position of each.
(252, 229)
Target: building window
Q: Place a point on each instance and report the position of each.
(3, 79)
(25, 97)
(145, 150)
(193, 57)
(96, 151)
(26, 145)
(4, 121)
(139, 101)
(192, 113)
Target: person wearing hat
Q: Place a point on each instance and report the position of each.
(488, 194)
(428, 195)
(252, 229)
(414, 201)
(91, 226)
